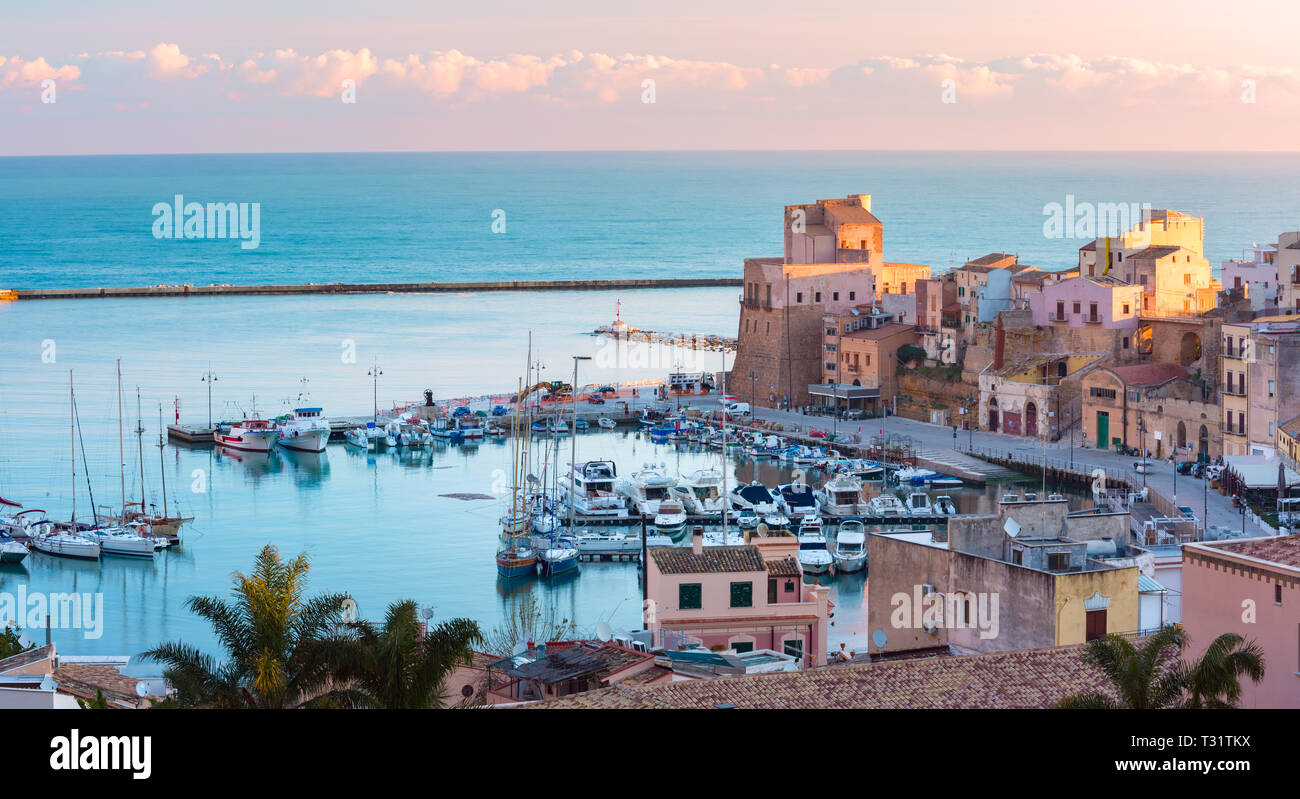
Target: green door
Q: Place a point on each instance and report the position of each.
(1103, 429)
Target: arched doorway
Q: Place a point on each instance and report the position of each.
(1204, 447)
(1182, 435)
(1190, 349)
(1031, 420)
(993, 414)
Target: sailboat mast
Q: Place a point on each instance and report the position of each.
(139, 445)
(121, 448)
(162, 466)
(72, 439)
(726, 498)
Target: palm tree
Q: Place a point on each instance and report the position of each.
(1154, 676)
(278, 645)
(1215, 679)
(394, 667)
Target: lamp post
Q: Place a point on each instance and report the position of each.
(1142, 429)
(573, 436)
(374, 374)
(209, 378)
(753, 391)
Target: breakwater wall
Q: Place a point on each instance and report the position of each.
(187, 290)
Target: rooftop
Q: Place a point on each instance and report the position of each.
(1155, 252)
(1037, 678)
(1149, 374)
(1282, 550)
(713, 560)
(26, 658)
(884, 331)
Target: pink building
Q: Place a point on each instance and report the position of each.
(730, 598)
(1101, 301)
(1250, 587)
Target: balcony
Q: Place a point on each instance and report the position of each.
(1057, 318)
(1233, 391)
(1093, 320)
(753, 302)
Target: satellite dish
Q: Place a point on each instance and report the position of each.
(142, 688)
(532, 478)
(1012, 527)
(26, 641)
(878, 638)
(349, 610)
(426, 613)
(603, 632)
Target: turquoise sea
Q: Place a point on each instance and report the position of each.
(377, 526)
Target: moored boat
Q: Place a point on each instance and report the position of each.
(304, 431)
(814, 557)
(65, 544)
(850, 551)
(250, 435)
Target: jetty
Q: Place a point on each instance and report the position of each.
(227, 289)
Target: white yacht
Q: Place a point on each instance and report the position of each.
(918, 504)
(756, 497)
(593, 542)
(886, 505)
(701, 493)
(592, 492)
(670, 519)
(944, 506)
(842, 496)
(646, 489)
(850, 551)
(65, 544)
(798, 499)
(814, 557)
(305, 431)
(357, 437)
(747, 519)
(10, 550)
(121, 541)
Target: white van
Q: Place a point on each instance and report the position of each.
(738, 409)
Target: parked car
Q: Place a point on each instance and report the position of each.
(595, 399)
(461, 411)
(500, 410)
(738, 409)
(608, 391)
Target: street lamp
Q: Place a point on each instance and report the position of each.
(209, 378)
(573, 450)
(374, 374)
(1142, 429)
(753, 391)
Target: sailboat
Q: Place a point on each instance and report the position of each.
(515, 556)
(164, 526)
(64, 542)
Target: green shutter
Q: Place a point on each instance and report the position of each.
(742, 595)
(689, 596)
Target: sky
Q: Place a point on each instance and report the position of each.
(143, 76)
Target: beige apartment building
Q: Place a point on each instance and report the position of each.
(1260, 365)
(1164, 253)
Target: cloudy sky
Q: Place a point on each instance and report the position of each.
(145, 76)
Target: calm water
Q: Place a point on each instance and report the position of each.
(87, 221)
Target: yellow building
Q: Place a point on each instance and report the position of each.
(1165, 254)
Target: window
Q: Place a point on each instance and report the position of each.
(743, 646)
(690, 596)
(830, 331)
(852, 296)
(817, 297)
(1126, 308)
(789, 586)
(798, 296)
(793, 648)
(1103, 393)
(1187, 280)
(1095, 626)
(1060, 309)
(1271, 386)
(1092, 311)
(1277, 593)
(868, 358)
(835, 295)
(1058, 561)
(1077, 306)
(1126, 342)
(771, 592)
(961, 291)
(742, 595)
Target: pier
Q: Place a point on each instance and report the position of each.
(223, 290)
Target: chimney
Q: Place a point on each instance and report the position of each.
(697, 539)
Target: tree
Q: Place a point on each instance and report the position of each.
(527, 622)
(393, 667)
(1154, 676)
(98, 703)
(278, 646)
(10, 642)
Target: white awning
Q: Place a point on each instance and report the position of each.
(1258, 471)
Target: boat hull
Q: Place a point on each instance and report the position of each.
(61, 546)
(850, 564)
(550, 567)
(244, 443)
(13, 552)
(516, 565)
(312, 441)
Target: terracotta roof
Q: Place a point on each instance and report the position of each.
(1089, 247)
(26, 658)
(713, 560)
(991, 258)
(885, 331)
(1292, 427)
(1149, 374)
(852, 214)
(1038, 678)
(1155, 252)
(784, 567)
(1282, 550)
(84, 679)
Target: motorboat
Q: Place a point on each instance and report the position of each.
(842, 495)
(121, 541)
(944, 506)
(814, 557)
(66, 544)
(646, 488)
(755, 496)
(594, 542)
(798, 499)
(469, 427)
(776, 520)
(670, 518)
(943, 481)
(558, 426)
(700, 492)
(408, 434)
(356, 436)
(559, 557)
(850, 550)
(581, 425)
(10, 550)
(592, 492)
(918, 504)
(810, 524)
(493, 430)
(606, 423)
(913, 474)
(747, 519)
(304, 431)
(444, 428)
(250, 435)
(886, 505)
(24, 524)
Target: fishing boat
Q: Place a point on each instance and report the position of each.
(559, 557)
(944, 506)
(700, 492)
(670, 518)
(358, 438)
(441, 427)
(918, 504)
(606, 423)
(814, 557)
(304, 431)
(493, 430)
(850, 551)
(591, 491)
(886, 505)
(557, 427)
(65, 544)
(798, 499)
(470, 428)
(516, 562)
(10, 550)
(121, 541)
(646, 488)
(581, 425)
(842, 496)
(538, 426)
(250, 435)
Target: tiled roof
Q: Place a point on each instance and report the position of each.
(26, 658)
(884, 331)
(1292, 427)
(1037, 678)
(1155, 252)
(84, 679)
(1283, 550)
(784, 567)
(713, 560)
(852, 214)
(991, 258)
(1089, 247)
(1149, 374)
